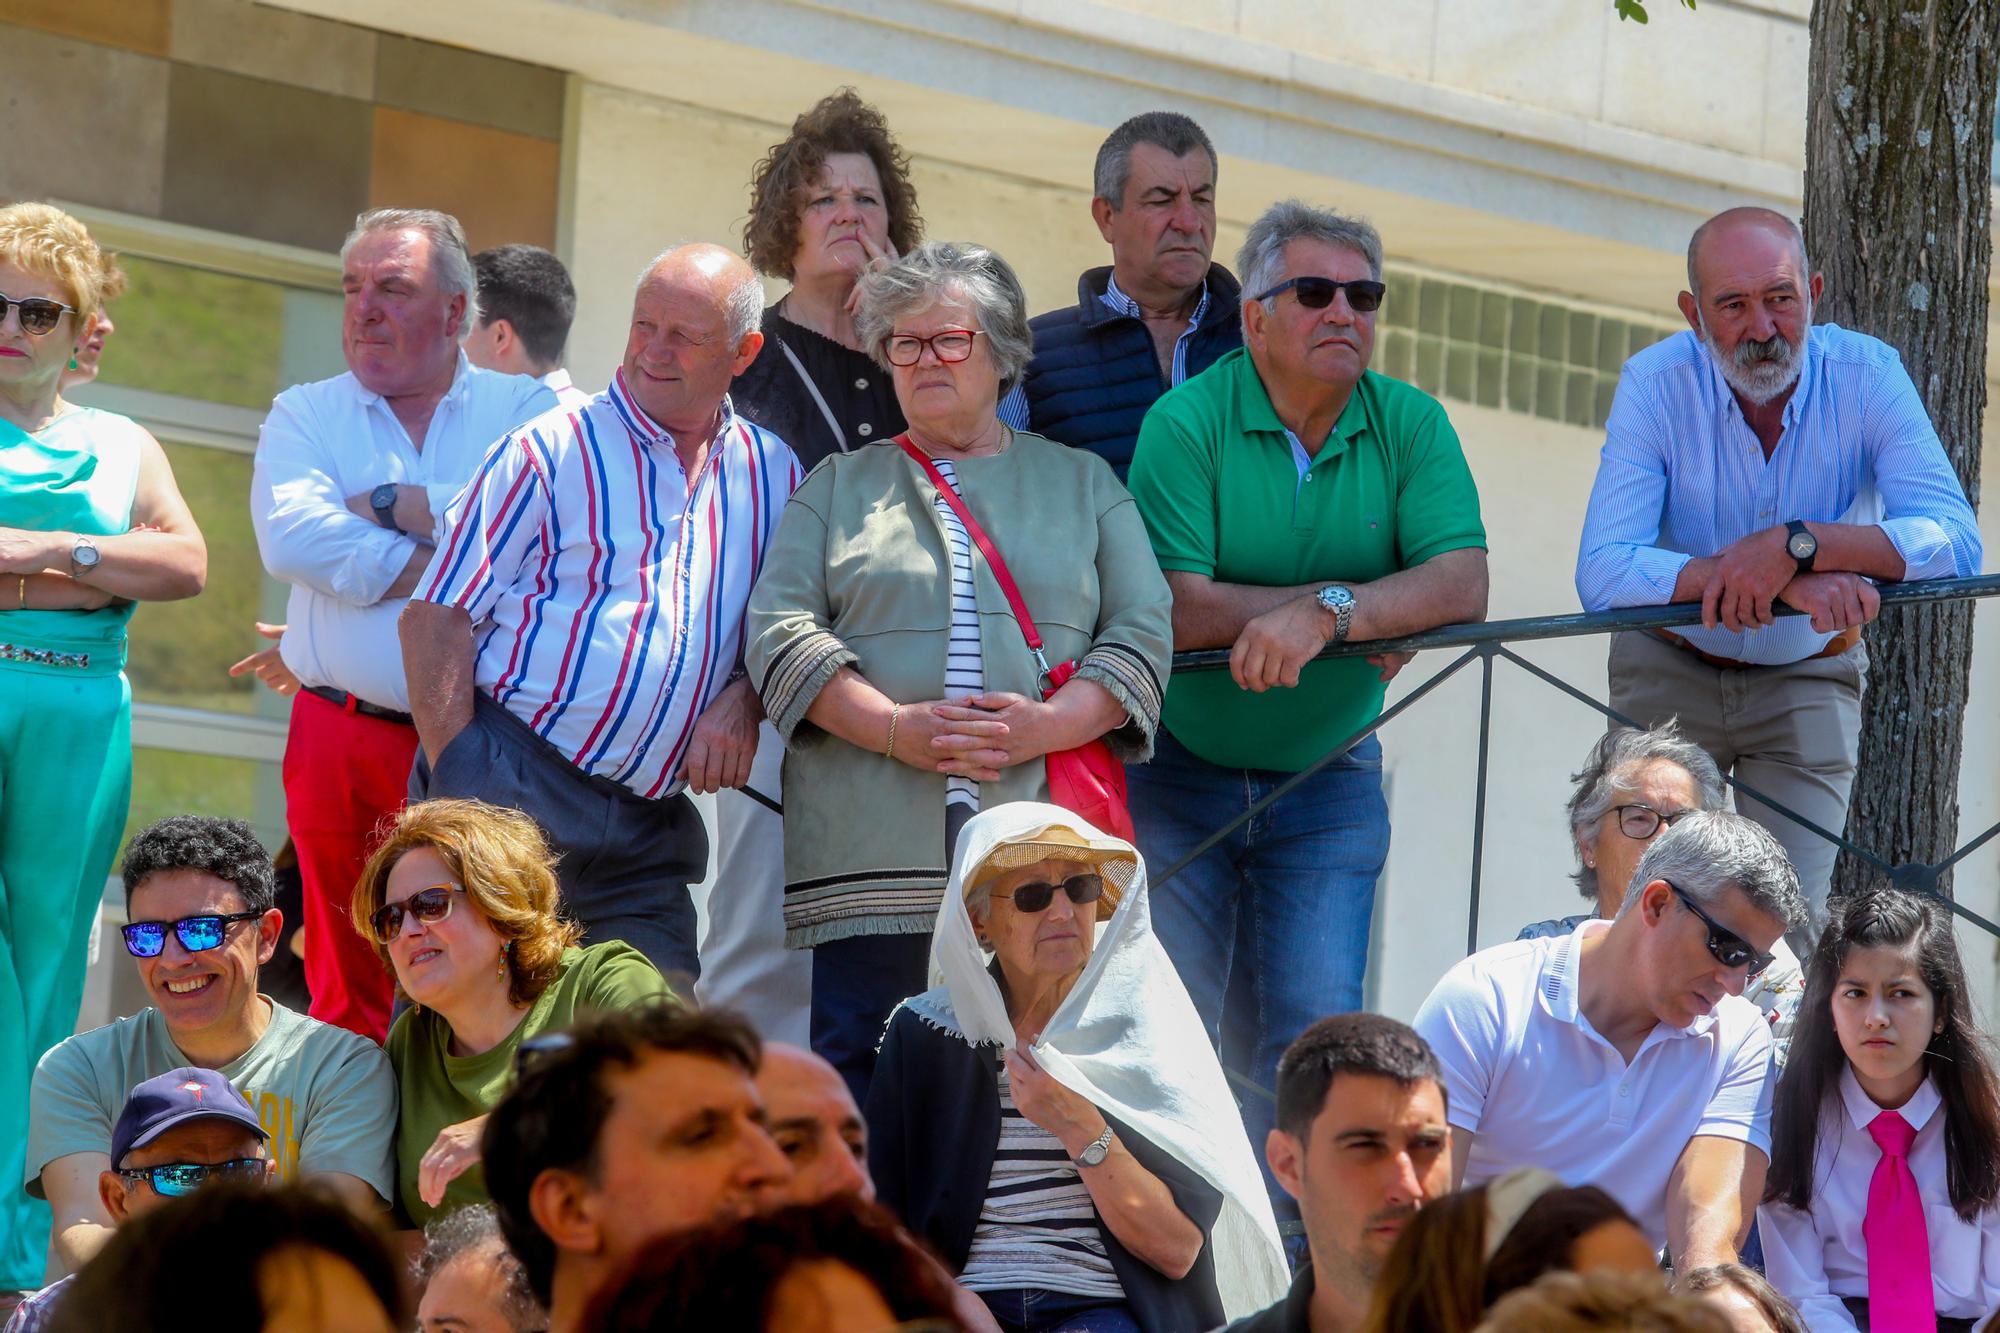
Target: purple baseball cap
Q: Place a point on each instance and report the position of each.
(174, 1098)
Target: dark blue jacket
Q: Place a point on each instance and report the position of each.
(1095, 373)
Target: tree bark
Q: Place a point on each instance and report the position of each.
(1899, 155)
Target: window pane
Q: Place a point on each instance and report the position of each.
(197, 334)
(173, 782)
(181, 651)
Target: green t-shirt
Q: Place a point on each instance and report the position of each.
(440, 1089)
(325, 1095)
(1219, 484)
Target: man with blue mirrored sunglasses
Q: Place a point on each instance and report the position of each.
(198, 897)
(179, 1132)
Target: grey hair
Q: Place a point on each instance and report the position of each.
(744, 305)
(937, 269)
(450, 254)
(1262, 257)
(468, 1231)
(1617, 753)
(1711, 851)
(1168, 130)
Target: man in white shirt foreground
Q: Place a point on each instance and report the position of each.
(1624, 1055)
(526, 306)
(352, 478)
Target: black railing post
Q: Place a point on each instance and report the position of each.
(1479, 794)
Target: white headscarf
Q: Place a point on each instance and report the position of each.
(1126, 1038)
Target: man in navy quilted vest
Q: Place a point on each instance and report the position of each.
(1160, 313)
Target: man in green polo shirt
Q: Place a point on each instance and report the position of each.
(1294, 499)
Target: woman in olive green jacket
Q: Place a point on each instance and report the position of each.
(887, 656)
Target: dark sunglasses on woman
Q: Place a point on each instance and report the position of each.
(146, 939)
(1315, 293)
(39, 315)
(1036, 897)
(429, 906)
(170, 1180)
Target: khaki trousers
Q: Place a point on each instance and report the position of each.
(1791, 732)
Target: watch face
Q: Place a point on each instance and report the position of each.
(383, 496)
(84, 554)
(1802, 545)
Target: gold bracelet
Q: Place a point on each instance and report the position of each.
(24, 594)
(895, 711)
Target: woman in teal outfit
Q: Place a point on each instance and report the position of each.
(90, 523)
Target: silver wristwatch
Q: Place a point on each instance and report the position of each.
(1338, 602)
(83, 556)
(1095, 1154)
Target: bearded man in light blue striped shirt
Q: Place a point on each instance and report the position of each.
(1756, 462)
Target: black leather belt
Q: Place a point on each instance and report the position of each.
(346, 702)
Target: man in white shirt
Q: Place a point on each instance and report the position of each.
(1624, 1055)
(526, 305)
(352, 477)
(574, 648)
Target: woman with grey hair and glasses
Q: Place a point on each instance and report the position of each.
(1635, 784)
(888, 657)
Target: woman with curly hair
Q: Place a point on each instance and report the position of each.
(830, 201)
(460, 901)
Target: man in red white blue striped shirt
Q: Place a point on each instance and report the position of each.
(573, 649)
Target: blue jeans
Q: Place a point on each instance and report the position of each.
(1287, 899)
(856, 984)
(1028, 1310)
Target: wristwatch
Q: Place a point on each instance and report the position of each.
(1339, 602)
(383, 501)
(83, 556)
(1095, 1154)
(1801, 545)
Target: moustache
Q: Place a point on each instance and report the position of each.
(1751, 352)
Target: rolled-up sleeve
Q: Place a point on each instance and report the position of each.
(1925, 513)
(1618, 562)
(493, 528)
(1131, 651)
(306, 534)
(789, 649)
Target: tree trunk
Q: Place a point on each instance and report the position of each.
(1899, 154)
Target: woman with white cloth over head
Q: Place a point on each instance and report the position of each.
(1050, 1115)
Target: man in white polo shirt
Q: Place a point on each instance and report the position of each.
(1624, 1055)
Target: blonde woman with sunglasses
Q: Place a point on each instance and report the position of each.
(461, 902)
(90, 524)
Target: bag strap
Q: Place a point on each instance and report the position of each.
(833, 422)
(986, 548)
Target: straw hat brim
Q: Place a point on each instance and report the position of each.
(1116, 864)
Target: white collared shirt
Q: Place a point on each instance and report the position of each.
(331, 439)
(567, 394)
(1527, 1075)
(1817, 1257)
(606, 587)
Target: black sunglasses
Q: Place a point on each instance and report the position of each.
(429, 906)
(146, 939)
(38, 314)
(1036, 897)
(1729, 949)
(532, 1050)
(170, 1180)
(1315, 293)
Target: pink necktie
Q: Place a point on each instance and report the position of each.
(1900, 1299)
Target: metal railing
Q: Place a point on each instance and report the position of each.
(1487, 641)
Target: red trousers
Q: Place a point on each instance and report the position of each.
(344, 775)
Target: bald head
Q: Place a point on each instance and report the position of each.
(817, 1126)
(1733, 224)
(695, 316)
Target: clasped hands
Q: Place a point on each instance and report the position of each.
(974, 736)
(1757, 571)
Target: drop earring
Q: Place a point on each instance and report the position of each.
(72, 363)
(501, 972)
